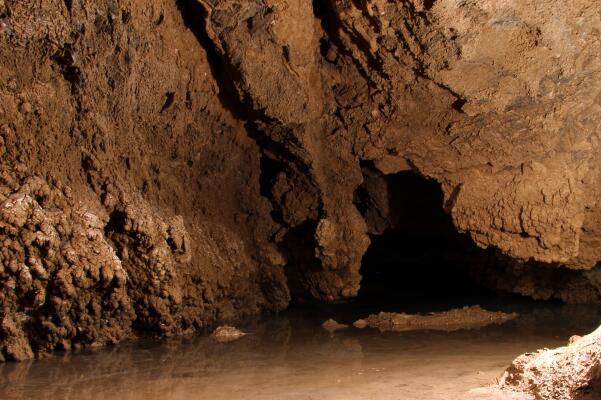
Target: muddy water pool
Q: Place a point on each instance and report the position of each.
(290, 357)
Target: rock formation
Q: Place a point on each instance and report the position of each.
(129, 195)
(171, 164)
(567, 373)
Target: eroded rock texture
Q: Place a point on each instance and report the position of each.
(495, 100)
(169, 164)
(572, 372)
(129, 196)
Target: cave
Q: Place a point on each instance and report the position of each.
(416, 255)
(300, 199)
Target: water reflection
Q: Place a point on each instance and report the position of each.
(291, 357)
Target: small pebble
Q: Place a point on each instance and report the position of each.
(26, 108)
(333, 326)
(332, 54)
(360, 323)
(226, 333)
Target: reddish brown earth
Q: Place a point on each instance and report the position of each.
(168, 165)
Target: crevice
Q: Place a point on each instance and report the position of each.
(458, 104)
(330, 23)
(452, 200)
(69, 5)
(269, 171)
(169, 100)
(428, 4)
(116, 223)
(225, 75)
(65, 59)
(298, 248)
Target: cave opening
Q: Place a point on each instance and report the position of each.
(417, 260)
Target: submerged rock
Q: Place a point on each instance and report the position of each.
(333, 326)
(226, 334)
(571, 372)
(360, 324)
(473, 317)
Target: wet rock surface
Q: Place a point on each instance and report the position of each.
(332, 326)
(570, 372)
(473, 317)
(226, 334)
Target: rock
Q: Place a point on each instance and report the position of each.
(226, 334)
(26, 108)
(457, 319)
(566, 373)
(360, 323)
(333, 326)
(15, 344)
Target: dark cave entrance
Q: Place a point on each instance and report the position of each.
(417, 259)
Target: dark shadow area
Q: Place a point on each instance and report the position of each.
(298, 245)
(419, 263)
(417, 260)
(269, 171)
(428, 4)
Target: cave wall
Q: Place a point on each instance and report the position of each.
(498, 101)
(169, 164)
(129, 196)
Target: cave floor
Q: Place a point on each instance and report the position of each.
(289, 356)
